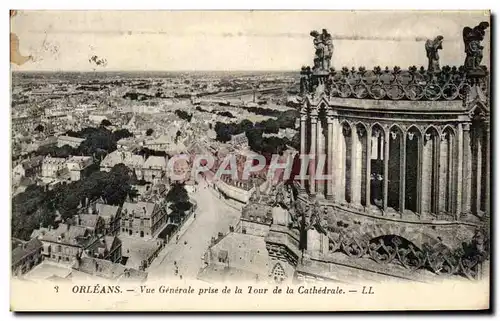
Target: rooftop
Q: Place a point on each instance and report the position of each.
(21, 249)
(138, 249)
(33, 162)
(108, 270)
(71, 139)
(156, 162)
(68, 234)
(244, 253)
(106, 211)
(140, 209)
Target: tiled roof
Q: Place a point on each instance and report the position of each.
(106, 211)
(71, 139)
(33, 162)
(54, 160)
(79, 162)
(108, 269)
(20, 249)
(243, 251)
(156, 162)
(142, 209)
(69, 234)
(134, 160)
(88, 220)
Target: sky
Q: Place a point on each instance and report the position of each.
(236, 40)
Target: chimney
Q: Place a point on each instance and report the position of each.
(76, 219)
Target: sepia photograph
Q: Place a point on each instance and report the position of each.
(250, 160)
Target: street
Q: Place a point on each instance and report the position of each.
(212, 216)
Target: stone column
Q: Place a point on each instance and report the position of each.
(303, 140)
(466, 184)
(337, 159)
(329, 168)
(341, 184)
(354, 180)
(420, 155)
(357, 179)
(450, 194)
(458, 182)
(386, 167)
(479, 162)
(435, 172)
(312, 154)
(320, 151)
(402, 173)
(368, 161)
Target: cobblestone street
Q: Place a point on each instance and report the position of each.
(212, 216)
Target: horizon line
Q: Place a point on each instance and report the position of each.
(136, 70)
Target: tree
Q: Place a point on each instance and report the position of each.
(149, 132)
(122, 133)
(183, 115)
(105, 123)
(179, 199)
(177, 193)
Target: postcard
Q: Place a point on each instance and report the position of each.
(250, 160)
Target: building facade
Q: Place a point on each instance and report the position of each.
(143, 219)
(25, 255)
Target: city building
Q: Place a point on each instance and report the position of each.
(31, 167)
(111, 216)
(69, 140)
(78, 166)
(239, 140)
(154, 169)
(53, 167)
(68, 242)
(132, 161)
(108, 270)
(143, 219)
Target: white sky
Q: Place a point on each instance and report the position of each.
(237, 40)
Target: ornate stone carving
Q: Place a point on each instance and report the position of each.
(394, 134)
(411, 134)
(473, 48)
(413, 84)
(432, 47)
(361, 131)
